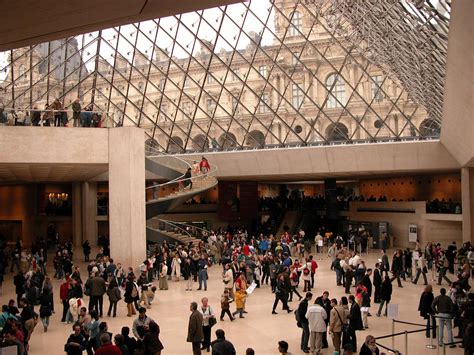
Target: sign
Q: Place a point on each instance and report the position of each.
(412, 233)
(251, 288)
(392, 311)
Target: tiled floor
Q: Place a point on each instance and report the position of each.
(260, 329)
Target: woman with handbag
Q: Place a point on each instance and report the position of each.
(46, 307)
(426, 310)
(208, 320)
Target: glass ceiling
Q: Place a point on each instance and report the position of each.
(251, 75)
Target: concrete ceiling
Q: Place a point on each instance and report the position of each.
(50, 172)
(32, 21)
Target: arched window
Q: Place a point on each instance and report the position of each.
(430, 128)
(336, 91)
(227, 141)
(296, 24)
(337, 132)
(152, 147)
(175, 145)
(200, 143)
(255, 139)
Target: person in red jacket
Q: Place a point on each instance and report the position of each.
(64, 296)
(314, 266)
(106, 347)
(204, 166)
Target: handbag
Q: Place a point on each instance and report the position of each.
(212, 321)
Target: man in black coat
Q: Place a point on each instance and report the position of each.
(367, 283)
(355, 321)
(221, 346)
(303, 321)
(377, 283)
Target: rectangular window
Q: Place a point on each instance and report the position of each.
(236, 75)
(161, 86)
(186, 82)
(210, 79)
(297, 96)
(263, 70)
(264, 103)
(235, 104)
(294, 59)
(210, 106)
(376, 86)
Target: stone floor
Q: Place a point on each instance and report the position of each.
(260, 329)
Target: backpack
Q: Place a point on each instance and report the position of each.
(134, 292)
(446, 262)
(297, 317)
(306, 271)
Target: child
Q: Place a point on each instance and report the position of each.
(240, 297)
(225, 305)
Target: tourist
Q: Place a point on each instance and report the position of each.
(207, 314)
(195, 329)
(163, 276)
(281, 294)
(114, 294)
(337, 320)
(76, 343)
(369, 347)
(443, 306)
(225, 305)
(97, 291)
(355, 321)
(119, 341)
(283, 347)
(202, 272)
(46, 308)
(426, 310)
(131, 296)
(240, 298)
(228, 279)
(303, 321)
(221, 346)
(151, 341)
(385, 295)
(141, 324)
(106, 347)
(443, 266)
(316, 316)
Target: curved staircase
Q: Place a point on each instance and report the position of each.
(163, 197)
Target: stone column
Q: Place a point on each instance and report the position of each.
(89, 212)
(76, 214)
(467, 190)
(127, 195)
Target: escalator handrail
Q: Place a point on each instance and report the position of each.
(171, 224)
(181, 179)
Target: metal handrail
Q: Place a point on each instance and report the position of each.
(173, 225)
(188, 225)
(179, 179)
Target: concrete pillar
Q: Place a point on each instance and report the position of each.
(77, 214)
(127, 195)
(467, 190)
(89, 212)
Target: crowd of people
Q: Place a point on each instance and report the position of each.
(248, 265)
(54, 114)
(318, 202)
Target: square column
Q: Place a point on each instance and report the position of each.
(467, 191)
(127, 195)
(77, 214)
(89, 212)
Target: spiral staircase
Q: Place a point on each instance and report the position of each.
(163, 197)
